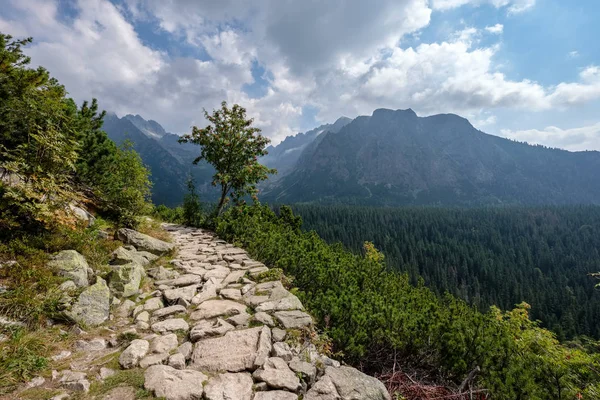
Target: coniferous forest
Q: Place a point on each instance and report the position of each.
(487, 256)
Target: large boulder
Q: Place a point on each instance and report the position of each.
(125, 279)
(144, 242)
(173, 384)
(347, 383)
(93, 305)
(71, 265)
(124, 256)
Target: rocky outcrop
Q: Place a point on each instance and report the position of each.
(93, 305)
(173, 384)
(73, 266)
(144, 242)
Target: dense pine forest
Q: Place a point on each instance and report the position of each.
(487, 256)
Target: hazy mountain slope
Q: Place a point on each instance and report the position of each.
(284, 156)
(168, 175)
(396, 157)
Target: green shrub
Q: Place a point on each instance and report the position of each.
(377, 318)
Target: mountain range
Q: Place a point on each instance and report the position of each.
(390, 158)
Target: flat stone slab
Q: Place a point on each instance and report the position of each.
(293, 319)
(187, 293)
(173, 384)
(171, 310)
(217, 308)
(280, 395)
(210, 328)
(234, 352)
(144, 242)
(171, 325)
(229, 387)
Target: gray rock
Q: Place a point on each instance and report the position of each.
(144, 316)
(278, 334)
(264, 318)
(177, 361)
(308, 371)
(153, 359)
(144, 242)
(183, 280)
(82, 215)
(161, 273)
(71, 265)
(229, 386)
(231, 294)
(164, 344)
(153, 304)
(263, 348)
(233, 277)
(132, 355)
(293, 319)
(125, 308)
(93, 306)
(209, 291)
(106, 373)
(186, 350)
(240, 320)
(76, 381)
(282, 350)
(171, 325)
(278, 375)
(275, 395)
(122, 256)
(216, 308)
(348, 384)
(97, 344)
(324, 389)
(171, 310)
(174, 384)
(233, 352)
(125, 279)
(187, 293)
(208, 328)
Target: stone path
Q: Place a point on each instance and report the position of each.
(215, 327)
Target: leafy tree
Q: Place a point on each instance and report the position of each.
(38, 143)
(124, 186)
(232, 145)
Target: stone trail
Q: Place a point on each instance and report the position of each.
(209, 330)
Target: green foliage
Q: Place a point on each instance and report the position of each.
(487, 256)
(38, 148)
(124, 187)
(233, 147)
(54, 154)
(168, 214)
(21, 357)
(374, 315)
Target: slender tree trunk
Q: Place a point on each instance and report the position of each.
(224, 190)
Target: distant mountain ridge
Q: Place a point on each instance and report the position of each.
(169, 162)
(390, 158)
(284, 156)
(394, 157)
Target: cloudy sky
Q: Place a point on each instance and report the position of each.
(524, 69)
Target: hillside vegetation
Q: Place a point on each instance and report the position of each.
(487, 256)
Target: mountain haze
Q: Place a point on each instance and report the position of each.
(398, 158)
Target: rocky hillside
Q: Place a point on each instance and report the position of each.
(395, 157)
(210, 323)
